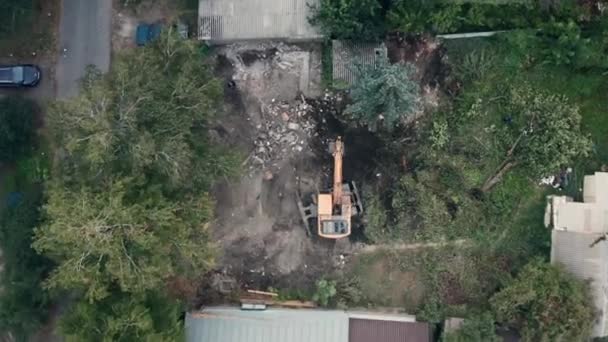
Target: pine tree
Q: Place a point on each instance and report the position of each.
(384, 94)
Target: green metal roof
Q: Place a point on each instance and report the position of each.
(225, 324)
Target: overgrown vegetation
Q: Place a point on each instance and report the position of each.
(372, 19)
(461, 177)
(17, 129)
(24, 305)
(546, 304)
(479, 328)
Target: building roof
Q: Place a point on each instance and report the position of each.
(577, 226)
(366, 330)
(233, 20)
(229, 324)
(272, 325)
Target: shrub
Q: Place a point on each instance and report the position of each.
(16, 127)
(23, 302)
(349, 19)
(326, 290)
(479, 328)
(546, 304)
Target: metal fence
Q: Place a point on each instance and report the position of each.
(346, 55)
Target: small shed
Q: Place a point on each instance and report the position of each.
(230, 324)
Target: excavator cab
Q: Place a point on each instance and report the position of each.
(333, 209)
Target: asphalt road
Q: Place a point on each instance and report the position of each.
(85, 33)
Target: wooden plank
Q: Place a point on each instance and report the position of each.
(264, 293)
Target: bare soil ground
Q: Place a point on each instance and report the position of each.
(268, 117)
(280, 118)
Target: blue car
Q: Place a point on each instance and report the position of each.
(146, 33)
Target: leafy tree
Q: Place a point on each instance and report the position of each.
(349, 19)
(23, 303)
(326, 290)
(478, 328)
(383, 94)
(146, 120)
(128, 205)
(124, 317)
(17, 130)
(102, 239)
(546, 304)
(542, 133)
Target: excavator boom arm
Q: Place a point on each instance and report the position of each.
(338, 154)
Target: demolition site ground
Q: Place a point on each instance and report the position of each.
(282, 120)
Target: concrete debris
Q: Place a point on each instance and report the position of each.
(285, 129)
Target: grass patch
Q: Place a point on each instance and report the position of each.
(327, 72)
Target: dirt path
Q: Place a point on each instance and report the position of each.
(413, 246)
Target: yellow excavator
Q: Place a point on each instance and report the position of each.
(333, 209)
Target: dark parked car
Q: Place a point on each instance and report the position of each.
(25, 75)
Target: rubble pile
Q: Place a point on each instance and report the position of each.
(284, 130)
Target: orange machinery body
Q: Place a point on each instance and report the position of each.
(335, 208)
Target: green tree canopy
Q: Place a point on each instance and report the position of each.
(23, 303)
(146, 120)
(350, 19)
(384, 94)
(540, 132)
(123, 318)
(546, 304)
(128, 202)
(479, 328)
(17, 130)
(101, 238)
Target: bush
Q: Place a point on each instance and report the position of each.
(348, 292)
(349, 19)
(16, 127)
(124, 317)
(23, 303)
(479, 328)
(326, 290)
(546, 304)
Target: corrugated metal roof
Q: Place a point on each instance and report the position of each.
(346, 55)
(367, 330)
(272, 325)
(571, 249)
(231, 20)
